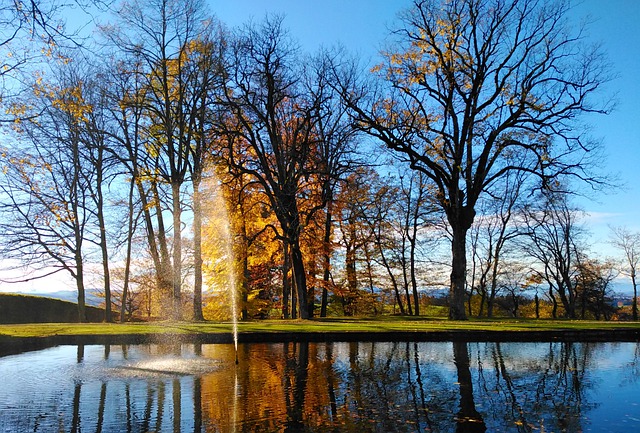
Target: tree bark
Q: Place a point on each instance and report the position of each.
(414, 281)
(635, 296)
(197, 250)
(405, 279)
(82, 314)
(300, 279)
(326, 246)
(127, 264)
(286, 282)
(164, 276)
(103, 236)
(394, 282)
(177, 251)
(458, 273)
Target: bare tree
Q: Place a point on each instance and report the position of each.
(378, 214)
(24, 24)
(512, 281)
(33, 32)
(48, 212)
(628, 243)
(204, 72)
(124, 88)
(334, 159)
(554, 238)
(161, 34)
(491, 234)
(479, 89)
(415, 212)
(271, 130)
(356, 217)
(593, 286)
(95, 139)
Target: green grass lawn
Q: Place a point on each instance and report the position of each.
(335, 325)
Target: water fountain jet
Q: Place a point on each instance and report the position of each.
(227, 257)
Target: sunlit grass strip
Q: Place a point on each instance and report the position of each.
(311, 326)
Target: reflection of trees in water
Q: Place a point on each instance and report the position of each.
(534, 393)
(633, 368)
(75, 423)
(387, 388)
(468, 419)
(143, 409)
(371, 387)
(394, 387)
(343, 387)
(295, 383)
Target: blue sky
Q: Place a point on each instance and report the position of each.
(362, 25)
(617, 26)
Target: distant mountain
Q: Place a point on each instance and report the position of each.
(93, 297)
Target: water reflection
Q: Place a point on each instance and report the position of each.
(468, 418)
(329, 387)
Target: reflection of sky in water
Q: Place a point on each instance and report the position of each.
(618, 386)
(322, 387)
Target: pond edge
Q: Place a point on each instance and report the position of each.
(13, 345)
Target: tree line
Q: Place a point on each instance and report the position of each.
(174, 157)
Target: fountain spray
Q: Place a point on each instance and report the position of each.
(234, 318)
(226, 237)
(234, 294)
(231, 272)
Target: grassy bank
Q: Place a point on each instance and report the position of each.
(317, 326)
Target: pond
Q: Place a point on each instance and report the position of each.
(324, 387)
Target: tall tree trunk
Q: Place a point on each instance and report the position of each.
(490, 301)
(634, 307)
(405, 279)
(294, 296)
(369, 261)
(458, 273)
(177, 251)
(494, 269)
(469, 303)
(565, 292)
(491, 298)
(414, 281)
(412, 240)
(326, 247)
(483, 296)
(165, 276)
(300, 279)
(79, 277)
(352, 278)
(286, 282)
(158, 255)
(554, 302)
(103, 237)
(291, 227)
(78, 221)
(127, 264)
(394, 282)
(197, 250)
(583, 302)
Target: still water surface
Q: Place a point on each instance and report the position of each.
(324, 387)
